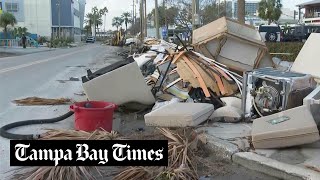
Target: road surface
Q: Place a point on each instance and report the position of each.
(37, 74)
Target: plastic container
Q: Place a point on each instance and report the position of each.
(92, 115)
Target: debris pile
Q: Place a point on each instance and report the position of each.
(227, 75)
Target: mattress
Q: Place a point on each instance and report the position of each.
(288, 128)
(179, 115)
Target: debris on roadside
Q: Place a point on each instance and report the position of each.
(122, 85)
(238, 46)
(80, 93)
(67, 172)
(182, 147)
(306, 60)
(179, 115)
(36, 101)
(288, 128)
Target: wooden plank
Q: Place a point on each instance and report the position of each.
(176, 58)
(198, 77)
(172, 83)
(207, 76)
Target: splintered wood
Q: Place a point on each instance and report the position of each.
(205, 74)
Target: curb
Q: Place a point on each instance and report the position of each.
(230, 152)
(223, 149)
(273, 168)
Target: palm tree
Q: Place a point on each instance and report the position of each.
(103, 12)
(117, 22)
(126, 18)
(94, 18)
(241, 11)
(17, 32)
(270, 10)
(5, 20)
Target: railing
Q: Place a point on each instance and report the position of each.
(9, 42)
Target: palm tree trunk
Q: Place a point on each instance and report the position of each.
(126, 27)
(241, 11)
(269, 21)
(5, 32)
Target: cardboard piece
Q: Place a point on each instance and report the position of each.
(237, 46)
(288, 128)
(179, 115)
(306, 61)
(122, 85)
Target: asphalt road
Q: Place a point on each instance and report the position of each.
(38, 74)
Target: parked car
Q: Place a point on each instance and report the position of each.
(270, 33)
(300, 32)
(90, 39)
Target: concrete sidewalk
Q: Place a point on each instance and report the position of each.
(232, 142)
(22, 51)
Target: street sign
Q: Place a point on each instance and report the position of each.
(164, 32)
(0, 7)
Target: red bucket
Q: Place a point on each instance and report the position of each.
(92, 115)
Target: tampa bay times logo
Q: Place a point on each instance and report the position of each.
(88, 153)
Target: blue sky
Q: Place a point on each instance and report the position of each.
(117, 7)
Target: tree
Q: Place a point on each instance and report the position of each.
(117, 22)
(17, 32)
(87, 29)
(103, 12)
(167, 16)
(212, 12)
(270, 10)
(241, 11)
(126, 19)
(94, 18)
(5, 20)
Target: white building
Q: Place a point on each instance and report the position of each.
(41, 17)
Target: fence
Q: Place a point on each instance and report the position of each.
(9, 42)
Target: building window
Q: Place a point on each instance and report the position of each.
(12, 7)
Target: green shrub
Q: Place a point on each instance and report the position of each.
(285, 47)
(61, 42)
(42, 39)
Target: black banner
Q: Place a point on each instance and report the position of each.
(88, 153)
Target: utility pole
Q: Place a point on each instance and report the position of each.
(156, 18)
(195, 15)
(145, 18)
(133, 12)
(59, 17)
(141, 20)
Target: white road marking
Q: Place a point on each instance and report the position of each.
(39, 61)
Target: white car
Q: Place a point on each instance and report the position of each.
(270, 33)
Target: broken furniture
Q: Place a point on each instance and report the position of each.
(312, 101)
(122, 85)
(284, 129)
(201, 72)
(106, 69)
(238, 46)
(307, 60)
(267, 91)
(179, 115)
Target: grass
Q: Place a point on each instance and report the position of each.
(285, 47)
